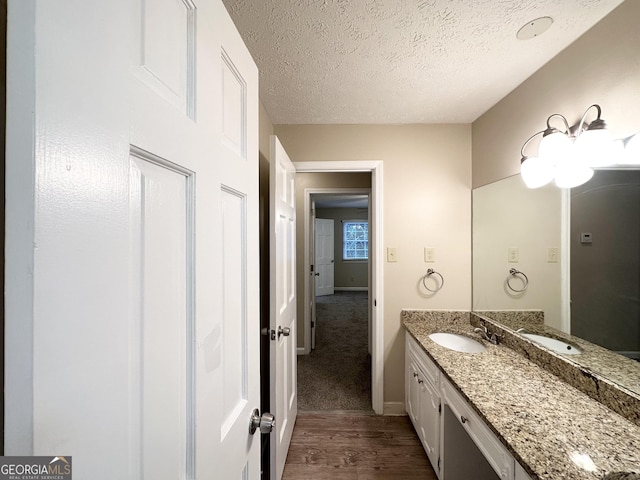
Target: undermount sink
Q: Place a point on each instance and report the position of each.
(459, 343)
(554, 344)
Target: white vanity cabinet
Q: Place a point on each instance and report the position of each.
(457, 441)
(422, 384)
(521, 474)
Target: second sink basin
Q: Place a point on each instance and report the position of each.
(553, 344)
(459, 343)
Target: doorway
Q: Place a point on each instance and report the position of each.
(336, 374)
(375, 283)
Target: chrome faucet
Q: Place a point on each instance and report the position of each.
(487, 335)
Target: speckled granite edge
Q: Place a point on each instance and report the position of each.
(599, 387)
(543, 421)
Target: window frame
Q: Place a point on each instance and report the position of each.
(345, 223)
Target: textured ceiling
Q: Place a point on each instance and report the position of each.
(399, 61)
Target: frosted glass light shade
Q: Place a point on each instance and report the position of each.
(536, 172)
(570, 172)
(596, 148)
(555, 147)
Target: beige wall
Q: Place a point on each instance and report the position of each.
(602, 66)
(427, 202)
(347, 274)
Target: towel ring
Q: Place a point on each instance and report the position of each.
(430, 272)
(514, 273)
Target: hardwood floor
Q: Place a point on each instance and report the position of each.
(337, 446)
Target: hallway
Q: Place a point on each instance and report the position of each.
(355, 447)
(337, 374)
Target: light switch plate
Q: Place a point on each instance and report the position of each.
(392, 255)
(513, 255)
(552, 255)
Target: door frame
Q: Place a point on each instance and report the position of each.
(376, 278)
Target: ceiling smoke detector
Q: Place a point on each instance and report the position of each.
(534, 28)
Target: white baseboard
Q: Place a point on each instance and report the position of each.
(394, 409)
(302, 351)
(351, 289)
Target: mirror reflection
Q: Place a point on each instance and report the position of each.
(580, 250)
(605, 261)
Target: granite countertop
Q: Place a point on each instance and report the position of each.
(605, 376)
(552, 429)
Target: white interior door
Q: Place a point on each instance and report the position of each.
(132, 239)
(324, 256)
(283, 304)
(314, 275)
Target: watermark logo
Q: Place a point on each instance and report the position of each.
(35, 468)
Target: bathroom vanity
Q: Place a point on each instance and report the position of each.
(437, 411)
(497, 415)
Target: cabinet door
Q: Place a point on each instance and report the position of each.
(429, 420)
(413, 393)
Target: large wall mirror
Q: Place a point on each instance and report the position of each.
(579, 248)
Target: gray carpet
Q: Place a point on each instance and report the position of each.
(337, 374)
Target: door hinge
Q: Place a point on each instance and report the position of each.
(438, 463)
(375, 303)
(313, 324)
(440, 408)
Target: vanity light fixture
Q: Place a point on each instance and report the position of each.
(568, 155)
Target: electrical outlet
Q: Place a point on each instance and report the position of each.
(429, 254)
(552, 255)
(392, 255)
(513, 254)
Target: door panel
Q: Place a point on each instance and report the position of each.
(234, 320)
(283, 304)
(167, 50)
(161, 369)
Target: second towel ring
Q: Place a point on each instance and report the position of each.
(514, 273)
(430, 272)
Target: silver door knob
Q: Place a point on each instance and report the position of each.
(317, 274)
(264, 422)
(286, 331)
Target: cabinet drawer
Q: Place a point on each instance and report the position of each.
(494, 451)
(425, 364)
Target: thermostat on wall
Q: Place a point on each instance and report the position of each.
(586, 238)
